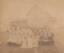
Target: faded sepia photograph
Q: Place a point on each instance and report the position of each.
(31, 26)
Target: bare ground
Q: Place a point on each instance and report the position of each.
(46, 49)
